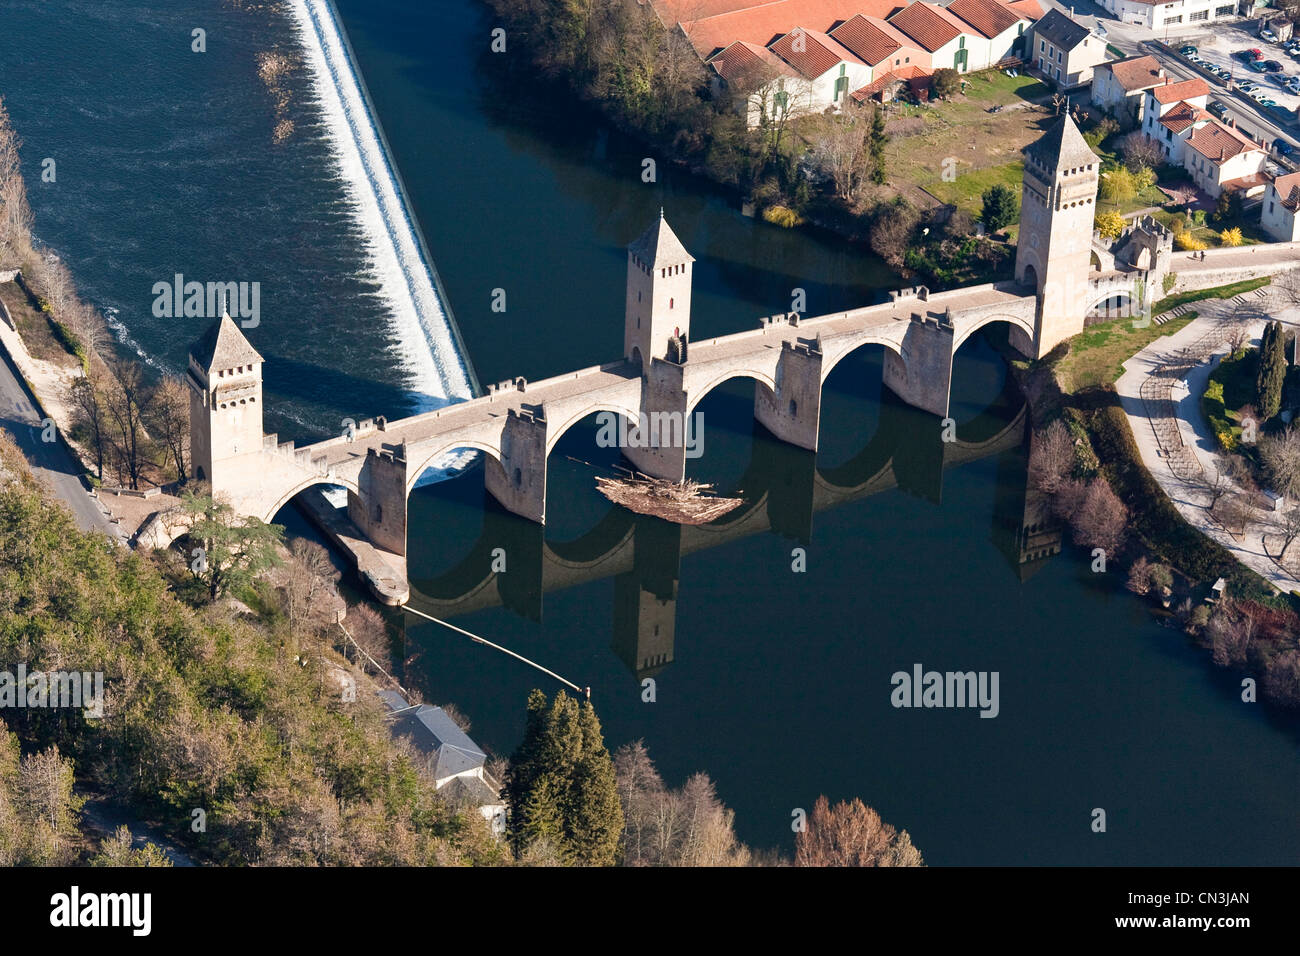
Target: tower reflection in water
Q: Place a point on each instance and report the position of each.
(783, 488)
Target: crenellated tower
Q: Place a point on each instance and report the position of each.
(657, 320)
(225, 381)
(1056, 222)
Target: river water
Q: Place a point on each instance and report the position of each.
(776, 682)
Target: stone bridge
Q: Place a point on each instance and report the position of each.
(662, 375)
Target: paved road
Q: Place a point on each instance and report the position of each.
(51, 462)
(1132, 38)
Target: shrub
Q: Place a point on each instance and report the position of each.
(1144, 178)
(1110, 224)
(1118, 185)
(782, 216)
(1188, 243)
(1231, 237)
(944, 83)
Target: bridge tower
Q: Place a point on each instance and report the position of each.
(225, 380)
(1056, 222)
(657, 320)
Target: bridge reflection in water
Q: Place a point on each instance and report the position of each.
(784, 488)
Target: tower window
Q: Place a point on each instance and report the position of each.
(670, 303)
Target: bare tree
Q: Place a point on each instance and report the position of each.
(1289, 528)
(852, 834)
(127, 401)
(169, 422)
(1287, 286)
(1219, 483)
(1141, 152)
(840, 149)
(1101, 518)
(310, 580)
(1051, 457)
(1281, 456)
(90, 414)
(1139, 576)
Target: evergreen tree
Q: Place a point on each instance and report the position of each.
(877, 147)
(596, 815)
(1000, 207)
(1272, 370)
(559, 787)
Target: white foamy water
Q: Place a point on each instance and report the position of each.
(427, 344)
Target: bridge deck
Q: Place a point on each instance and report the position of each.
(592, 383)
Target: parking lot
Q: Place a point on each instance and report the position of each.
(1219, 52)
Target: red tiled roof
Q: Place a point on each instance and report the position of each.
(989, 17)
(870, 39)
(1186, 90)
(910, 74)
(1218, 143)
(1251, 182)
(762, 23)
(928, 25)
(1288, 190)
(1136, 72)
(1029, 9)
(1182, 116)
(747, 61)
(820, 52)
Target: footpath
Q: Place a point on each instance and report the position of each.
(1160, 393)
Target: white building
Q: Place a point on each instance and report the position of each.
(1155, 14)
(1118, 87)
(952, 43)
(1221, 158)
(830, 69)
(1001, 25)
(1279, 213)
(1171, 110)
(765, 86)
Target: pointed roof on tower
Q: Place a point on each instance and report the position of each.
(1062, 146)
(224, 346)
(659, 246)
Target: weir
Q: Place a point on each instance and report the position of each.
(430, 343)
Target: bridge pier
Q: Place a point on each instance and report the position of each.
(925, 378)
(518, 481)
(663, 410)
(793, 412)
(379, 512)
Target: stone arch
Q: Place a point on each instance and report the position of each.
(831, 361)
(1024, 324)
(553, 435)
(413, 475)
(762, 378)
(302, 486)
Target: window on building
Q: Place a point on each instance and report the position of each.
(1270, 207)
(1020, 29)
(1042, 45)
(1168, 134)
(961, 43)
(1177, 19)
(1198, 16)
(1225, 11)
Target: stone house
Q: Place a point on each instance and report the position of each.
(1279, 212)
(1119, 86)
(1064, 51)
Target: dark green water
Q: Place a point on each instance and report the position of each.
(776, 683)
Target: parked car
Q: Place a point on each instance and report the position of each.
(1273, 66)
(1222, 73)
(1267, 103)
(1255, 66)
(1246, 86)
(1187, 49)
(1268, 36)
(1281, 79)
(1284, 148)
(1248, 55)
(1218, 109)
